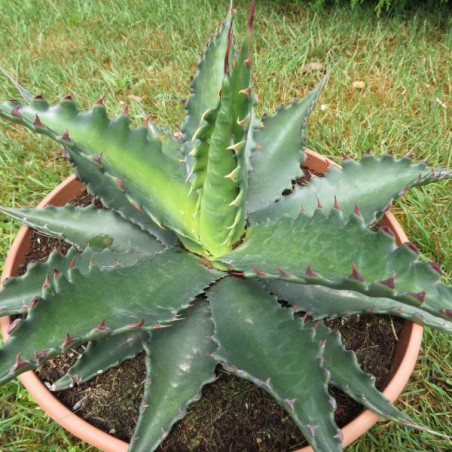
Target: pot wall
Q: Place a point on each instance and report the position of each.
(404, 361)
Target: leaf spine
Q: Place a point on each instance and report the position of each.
(420, 296)
(311, 273)
(65, 136)
(390, 282)
(138, 324)
(258, 272)
(446, 311)
(355, 273)
(13, 325)
(15, 112)
(37, 122)
(67, 341)
(19, 363)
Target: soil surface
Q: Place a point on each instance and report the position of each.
(232, 414)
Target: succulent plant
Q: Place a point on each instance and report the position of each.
(198, 237)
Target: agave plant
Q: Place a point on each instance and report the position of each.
(197, 237)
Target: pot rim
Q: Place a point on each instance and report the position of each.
(404, 360)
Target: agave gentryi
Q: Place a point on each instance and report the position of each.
(197, 231)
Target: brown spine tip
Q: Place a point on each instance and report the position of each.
(390, 282)
(38, 97)
(120, 183)
(67, 341)
(12, 326)
(37, 122)
(125, 110)
(46, 283)
(228, 49)
(336, 204)
(138, 324)
(100, 101)
(72, 264)
(33, 302)
(258, 272)
(68, 97)
(368, 152)
(412, 247)
(251, 16)
(97, 158)
(65, 136)
(355, 273)
(309, 272)
(238, 274)
(135, 205)
(19, 363)
(283, 273)
(101, 327)
(41, 355)
(436, 267)
(319, 204)
(15, 112)
(146, 120)
(418, 295)
(345, 157)
(357, 211)
(446, 311)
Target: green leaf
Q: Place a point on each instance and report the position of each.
(153, 182)
(100, 303)
(88, 226)
(179, 364)
(262, 342)
(206, 83)
(347, 376)
(17, 293)
(323, 302)
(371, 184)
(279, 152)
(342, 255)
(221, 210)
(101, 355)
(109, 191)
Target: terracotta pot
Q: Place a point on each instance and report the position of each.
(404, 361)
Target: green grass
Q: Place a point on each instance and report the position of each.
(143, 53)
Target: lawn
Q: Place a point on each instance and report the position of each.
(390, 90)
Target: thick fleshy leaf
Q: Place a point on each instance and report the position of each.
(221, 211)
(205, 85)
(322, 302)
(276, 160)
(93, 134)
(17, 293)
(88, 226)
(100, 355)
(109, 190)
(262, 342)
(179, 363)
(371, 184)
(100, 303)
(347, 376)
(329, 251)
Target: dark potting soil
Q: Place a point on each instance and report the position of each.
(232, 414)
